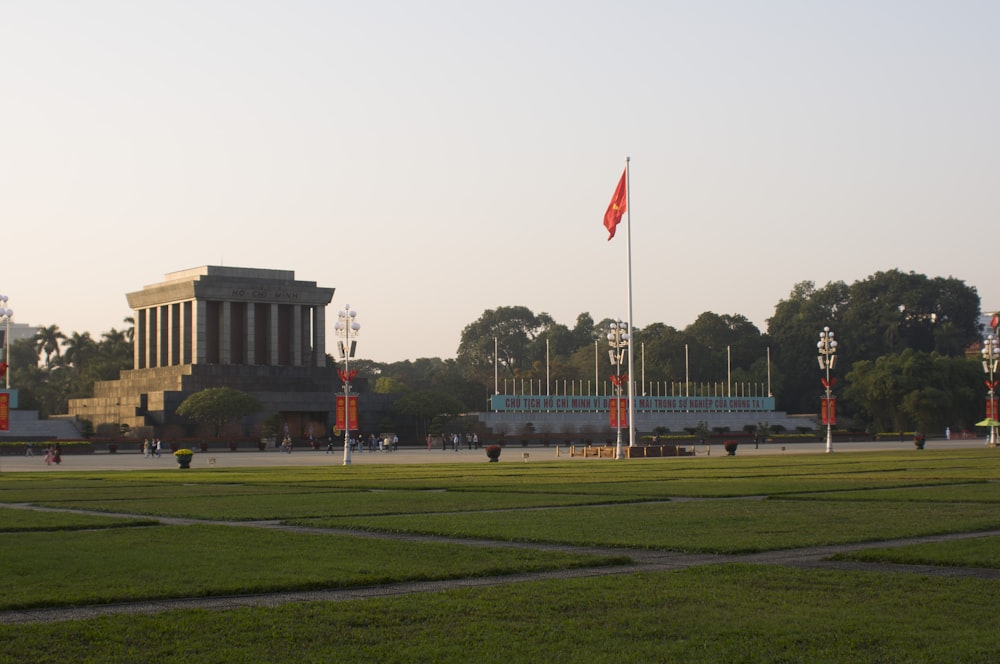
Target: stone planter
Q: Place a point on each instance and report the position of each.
(184, 460)
(493, 452)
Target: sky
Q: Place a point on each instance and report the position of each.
(433, 160)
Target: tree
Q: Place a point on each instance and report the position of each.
(217, 406)
(891, 311)
(886, 313)
(425, 405)
(389, 385)
(914, 390)
(47, 341)
(722, 341)
(794, 329)
(80, 349)
(507, 332)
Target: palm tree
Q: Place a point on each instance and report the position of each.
(130, 330)
(79, 349)
(115, 345)
(47, 341)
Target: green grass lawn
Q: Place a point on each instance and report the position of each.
(103, 566)
(977, 552)
(714, 526)
(726, 613)
(713, 613)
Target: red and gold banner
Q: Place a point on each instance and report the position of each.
(4, 411)
(352, 412)
(618, 409)
(991, 408)
(828, 410)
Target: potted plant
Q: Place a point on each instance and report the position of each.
(493, 452)
(184, 457)
(204, 446)
(730, 447)
(919, 439)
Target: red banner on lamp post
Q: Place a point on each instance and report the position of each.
(991, 408)
(352, 412)
(618, 410)
(4, 411)
(828, 410)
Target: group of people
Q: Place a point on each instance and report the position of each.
(455, 440)
(151, 448)
(380, 443)
(53, 455)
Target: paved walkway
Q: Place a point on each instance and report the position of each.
(303, 457)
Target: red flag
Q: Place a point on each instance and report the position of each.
(617, 207)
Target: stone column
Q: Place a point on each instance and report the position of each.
(225, 330)
(251, 334)
(139, 339)
(152, 335)
(184, 342)
(172, 334)
(198, 332)
(319, 336)
(306, 335)
(163, 340)
(296, 336)
(273, 341)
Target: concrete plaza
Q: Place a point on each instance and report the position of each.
(103, 461)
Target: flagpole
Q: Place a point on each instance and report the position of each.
(631, 331)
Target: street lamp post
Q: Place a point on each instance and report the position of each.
(991, 353)
(5, 316)
(827, 356)
(348, 328)
(618, 339)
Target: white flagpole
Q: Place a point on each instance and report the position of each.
(631, 332)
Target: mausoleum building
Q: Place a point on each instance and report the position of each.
(257, 330)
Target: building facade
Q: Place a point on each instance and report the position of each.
(260, 331)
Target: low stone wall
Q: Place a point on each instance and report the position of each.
(654, 451)
(598, 451)
(637, 452)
